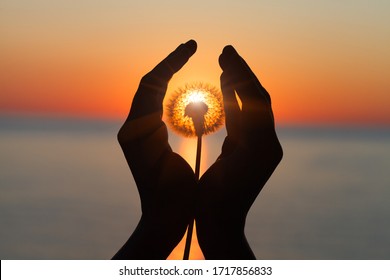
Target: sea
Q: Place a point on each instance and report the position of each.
(66, 191)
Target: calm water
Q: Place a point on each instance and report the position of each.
(66, 193)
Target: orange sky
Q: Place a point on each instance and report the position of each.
(322, 61)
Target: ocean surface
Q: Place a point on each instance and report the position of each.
(66, 192)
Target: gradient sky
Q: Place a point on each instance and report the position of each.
(322, 61)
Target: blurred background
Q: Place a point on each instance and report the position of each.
(68, 73)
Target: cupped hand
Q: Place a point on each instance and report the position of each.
(250, 153)
(165, 182)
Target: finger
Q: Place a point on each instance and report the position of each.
(231, 107)
(243, 76)
(256, 108)
(151, 91)
(255, 79)
(161, 74)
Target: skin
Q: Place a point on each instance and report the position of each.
(250, 153)
(170, 195)
(166, 183)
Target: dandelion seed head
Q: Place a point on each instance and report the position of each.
(206, 98)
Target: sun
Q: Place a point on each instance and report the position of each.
(195, 105)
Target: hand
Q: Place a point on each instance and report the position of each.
(165, 182)
(250, 153)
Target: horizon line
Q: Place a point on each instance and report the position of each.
(95, 118)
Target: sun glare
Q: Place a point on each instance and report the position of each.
(196, 96)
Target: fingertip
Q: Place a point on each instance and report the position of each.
(229, 50)
(225, 58)
(191, 46)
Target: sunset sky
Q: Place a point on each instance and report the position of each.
(321, 61)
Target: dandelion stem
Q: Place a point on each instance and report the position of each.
(191, 224)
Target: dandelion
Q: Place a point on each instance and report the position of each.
(195, 109)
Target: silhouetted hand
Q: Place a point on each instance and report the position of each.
(165, 181)
(250, 153)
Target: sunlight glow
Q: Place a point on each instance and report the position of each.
(195, 253)
(195, 96)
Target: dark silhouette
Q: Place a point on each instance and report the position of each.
(170, 194)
